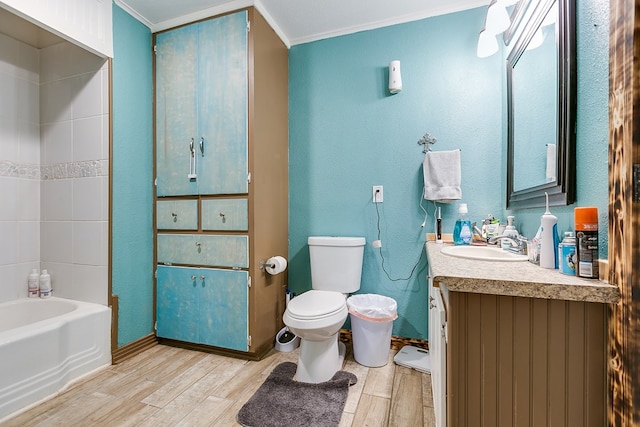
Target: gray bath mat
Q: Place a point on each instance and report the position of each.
(281, 402)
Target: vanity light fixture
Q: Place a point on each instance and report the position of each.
(497, 18)
(487, 44)
(496, 22)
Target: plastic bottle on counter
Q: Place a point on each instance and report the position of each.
(45, 284)
(586, 225)
(549, 242)
(567, 254)
(33, 287)
(462, 231)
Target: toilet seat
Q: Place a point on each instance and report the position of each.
(316, 304)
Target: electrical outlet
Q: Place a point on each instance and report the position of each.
(377, 194)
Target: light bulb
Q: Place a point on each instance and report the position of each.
(497, 18)
(487, 44)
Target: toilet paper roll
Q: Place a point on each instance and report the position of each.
(279, 265)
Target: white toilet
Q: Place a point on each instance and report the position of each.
(316, 316)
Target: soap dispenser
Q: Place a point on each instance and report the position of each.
(462, 233)
(509, 231)
(549, 237)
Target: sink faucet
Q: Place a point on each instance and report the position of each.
(517, 245)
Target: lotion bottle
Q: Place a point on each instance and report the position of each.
(549, 244)
(45, 284)
(32, 283)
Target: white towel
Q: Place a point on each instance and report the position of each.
(551, 162)
(442, 176)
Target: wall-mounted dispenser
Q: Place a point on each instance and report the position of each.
(395, 79)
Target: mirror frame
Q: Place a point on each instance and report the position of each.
(562, 191)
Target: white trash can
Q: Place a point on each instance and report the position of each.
(372, 319)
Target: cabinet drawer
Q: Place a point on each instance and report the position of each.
(225, 214)
(177, 214)
(199, 249)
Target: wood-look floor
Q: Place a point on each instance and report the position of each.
(168, 386)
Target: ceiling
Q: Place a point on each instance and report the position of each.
(298, 21)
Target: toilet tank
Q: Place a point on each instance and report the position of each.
(336, 263)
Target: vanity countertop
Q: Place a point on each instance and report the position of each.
(522, 279)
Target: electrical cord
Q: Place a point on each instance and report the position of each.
(382, 256)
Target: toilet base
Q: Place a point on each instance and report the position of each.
(319, 360)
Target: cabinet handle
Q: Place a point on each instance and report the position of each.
(192, 161)
(193, 277)
(175, 216)
(223, 217)
(202, 146)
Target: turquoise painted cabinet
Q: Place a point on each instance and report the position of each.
(202, 108)
(203, 306)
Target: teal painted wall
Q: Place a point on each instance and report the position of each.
(132, 191)
(347, 134)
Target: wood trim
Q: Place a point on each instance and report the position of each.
(114, 322)
(133, 348)
(624, 215)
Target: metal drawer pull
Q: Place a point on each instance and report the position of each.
(175, 216)
(224, 219)
(202, 146)
(193, 277)
(202, 278)
(192, 161)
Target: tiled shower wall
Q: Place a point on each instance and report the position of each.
(53, 169)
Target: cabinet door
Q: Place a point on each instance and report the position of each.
(176, 110)
(224, 309)
(222, 105)
(177, 303)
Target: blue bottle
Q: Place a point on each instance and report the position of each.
(462, 231)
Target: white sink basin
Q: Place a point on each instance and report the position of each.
(483, 253)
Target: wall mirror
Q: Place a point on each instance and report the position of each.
(541, 93)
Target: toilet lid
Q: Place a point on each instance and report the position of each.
(313, 304)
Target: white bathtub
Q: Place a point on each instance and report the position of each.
(45, 344)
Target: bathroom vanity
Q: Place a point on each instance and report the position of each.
(523, 345)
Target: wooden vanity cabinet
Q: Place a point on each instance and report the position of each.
(518, 361)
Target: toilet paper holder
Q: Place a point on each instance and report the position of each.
(264, 264)
(274, 265)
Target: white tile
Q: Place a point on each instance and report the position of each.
(28, 200)
(105, 137)
(55, 241)
(8, 55)
(9, 138)
(8, 248)
(9, 95)
(87, 100)
(87, 138)
(105, 90)
(88, 199)
(87, 243)
(28, 102)
(57, 200)
(104, 244)
(28, 241)
(29, 63)
(57, 142)
(8, 283)
(55, 101)
(61, 278)
(90, 284)
(105, 198)
(9, 198)
(29, 143)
